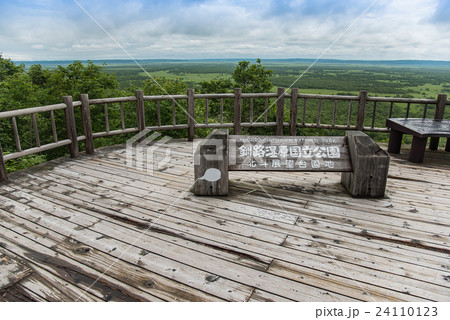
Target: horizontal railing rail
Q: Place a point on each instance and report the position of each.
(237, 110)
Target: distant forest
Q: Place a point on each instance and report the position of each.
(399, 78)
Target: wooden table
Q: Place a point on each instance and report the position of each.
(420, 129)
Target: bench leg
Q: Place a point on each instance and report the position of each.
(370, 167)
(418, 147)
(447, 146)
(434, 143)
(395, 141)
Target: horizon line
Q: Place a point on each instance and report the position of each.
(230, 59)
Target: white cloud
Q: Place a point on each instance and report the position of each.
(397, 29)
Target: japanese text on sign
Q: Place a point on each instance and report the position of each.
(293, 153)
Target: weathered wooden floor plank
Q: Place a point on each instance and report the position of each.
(81, 278)
(277, 237)
(425, 214)
(119, 249)
(402, 222)
(171, 251)
(121, 271)
(408, 269)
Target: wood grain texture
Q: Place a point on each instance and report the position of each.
(36, 130)
(370, 167)
(293, 112)
(140, 110)
(3, 174)
(422, 128)
(13, 270)
(362, 105)
(212, 153)
(280, 112)
(278, 236)
(87, 124)
(438, 115)
(71, 128)
(16, 134)
(237, 108)
(191, 114)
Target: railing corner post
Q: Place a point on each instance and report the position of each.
(191, 114)
(293, 114)
(71, 126)
(280, 111)
(140, 114)
(237, 110)
(3, 175)
(361, 110)
(87, 123)
(438, 115)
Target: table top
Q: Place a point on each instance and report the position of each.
(419, 127)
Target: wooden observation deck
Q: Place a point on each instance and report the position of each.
(96, 229)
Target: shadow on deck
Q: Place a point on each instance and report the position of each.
(94, 229)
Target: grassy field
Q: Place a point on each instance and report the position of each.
(418, 81)
(191, 72)
(195, 78)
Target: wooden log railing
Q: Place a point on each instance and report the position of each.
(32, 112)
(362, 113)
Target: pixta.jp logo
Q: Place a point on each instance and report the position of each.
(148, 152)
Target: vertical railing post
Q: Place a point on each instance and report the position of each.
(438, 115)
(293, 115)
(440, 107)
(361, 110)
(70, 126)
(237, 110)
(280, 111)
(3, 176)
(140, 115)
(191, 114)
(87, 123)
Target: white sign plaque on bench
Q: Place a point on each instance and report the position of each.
(279, 153)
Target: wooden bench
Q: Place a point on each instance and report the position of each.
(364, 165)
(421, 130)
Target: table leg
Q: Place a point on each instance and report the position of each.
(395, 141)
(434, 143)
(418, 147)
(447, 146)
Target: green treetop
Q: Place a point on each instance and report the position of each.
(252, 77)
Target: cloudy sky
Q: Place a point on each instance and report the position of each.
(63, 29)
